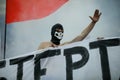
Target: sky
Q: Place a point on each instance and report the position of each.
(74, 16)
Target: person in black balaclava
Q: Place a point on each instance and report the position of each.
(57, 33)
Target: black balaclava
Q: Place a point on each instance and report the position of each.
(56, 36)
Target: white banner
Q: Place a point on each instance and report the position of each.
(86, 60)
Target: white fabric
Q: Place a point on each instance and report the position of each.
(56, 65)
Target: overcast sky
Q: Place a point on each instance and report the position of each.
(74, 16)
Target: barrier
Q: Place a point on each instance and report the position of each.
(85, 60)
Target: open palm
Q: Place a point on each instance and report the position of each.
(96, 16)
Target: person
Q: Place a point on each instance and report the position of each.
(57, 33)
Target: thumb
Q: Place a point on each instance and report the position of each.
(91, 18)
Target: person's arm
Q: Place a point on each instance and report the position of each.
(87, 30)
(84, 33)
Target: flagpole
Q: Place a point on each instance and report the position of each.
(5, 41)
(5, 32)
(3, 50)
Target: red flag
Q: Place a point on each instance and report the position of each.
(21, 10)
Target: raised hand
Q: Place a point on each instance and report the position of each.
(96, 16)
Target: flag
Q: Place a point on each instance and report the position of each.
(24, 23)
(21, 10)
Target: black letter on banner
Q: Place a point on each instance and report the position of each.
(20, 62)
(37, 69)
(70, 65)
(2, 78)
(2, 65)
(102, 44)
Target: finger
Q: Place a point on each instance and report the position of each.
(100, 14)
(96, 12)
